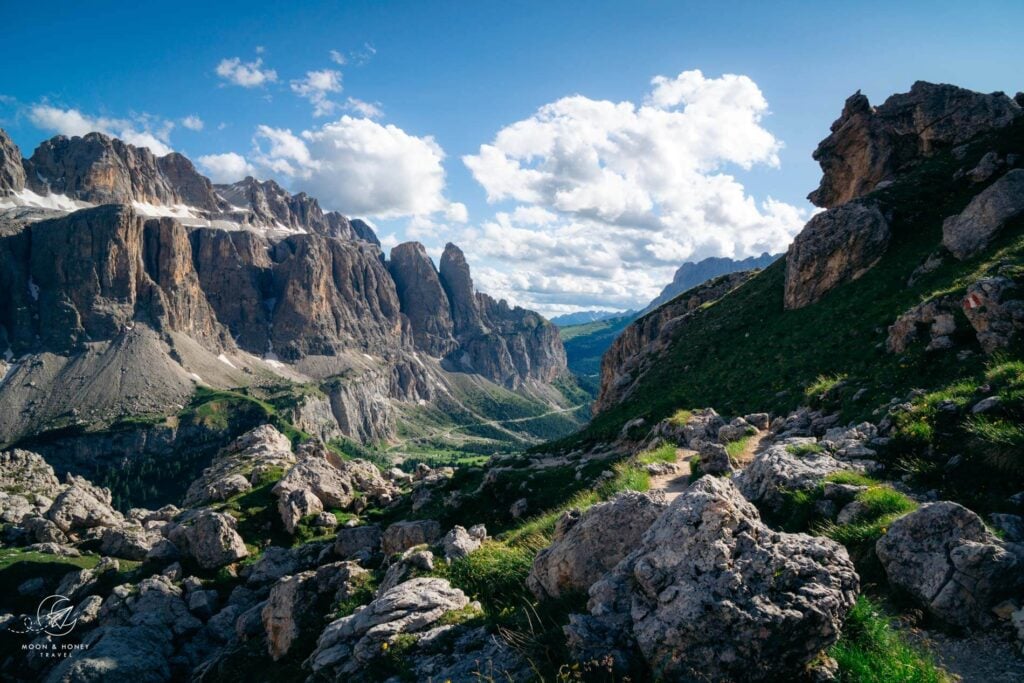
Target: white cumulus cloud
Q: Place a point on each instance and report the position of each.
(613, 196)
(141, 130)
(245, 74)
(226, 168)
(317, 87)
(192, 122)
(370, 110)
(359, 166)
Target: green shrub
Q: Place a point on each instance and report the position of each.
(870, 650)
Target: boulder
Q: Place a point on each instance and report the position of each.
(735, 430)
(25, 472)
(358, 541)
(836, 246)
(775, 471)
(714, 459)
(212, 541)
(290, 610)
(459, 543)
(403, 568)
(296, 505)
(711, 593)
(932, 321)
(944, 557)
(401, 536)
(83, 506)
(128, 542)
(258, 451)
(348, 644)
(587, 545)
(972, 230)
(994, 307)
(339, 484)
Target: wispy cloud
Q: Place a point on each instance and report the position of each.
(245, 74)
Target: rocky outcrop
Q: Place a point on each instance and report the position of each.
(103, 170)
(271, 204)
(994, 306)
(836, 246)
(714, 594)
(249, 458)
(82, 505)
(12, 173)
(971, 231)
(408, 609)
(640, 344)
(783, 469)
(870, 144)
(944, 557)
(587, 545)
(210, 538)
(423, 299)
(401, 536)
(933, 321)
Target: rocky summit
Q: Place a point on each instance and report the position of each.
(241, 443)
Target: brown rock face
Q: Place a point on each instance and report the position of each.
(640, 344)
(869, 144)
(458, 284)
(271, 204)
(330, 295)
(835, 246)
(423, 299)
(103, 170)
(12, 174)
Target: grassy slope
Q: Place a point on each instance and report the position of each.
(746, 353)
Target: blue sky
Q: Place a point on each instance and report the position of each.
(600, 222)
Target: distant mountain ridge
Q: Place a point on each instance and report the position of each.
(584, 317)
(691, 274)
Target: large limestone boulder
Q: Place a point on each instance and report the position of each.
(290, 609)
(973, 229)
(336, 483)
(586, 546)
(359, 541)
(836, 246)
(83, 505)
(211, 539)
(27, 473)
(870, 144)
(713, 594)
(258, 451)
(776, 471)
(401, 536)
(944, 557)
(129, 542)
(411, 608)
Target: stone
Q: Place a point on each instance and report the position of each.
(337, 483)
(458, 543)
(43, 530)
(714, 459)
(1012, 526)
(290, 610)
(869, 145)
(986, 404)
(758, 420)
(932, 320)
(711, 593)
(972, 230)
(403, 568)
(358, 541)
(587, 545)
(994, 306)
(350, 643)
(82, 506)
(24, 472)
(776, 471)
(212, 540)
(296, 505)
(836, 246)
(128, 542)
(943, 556)
(12, 173)
(401, 536)
(519, 508)
(735, 430)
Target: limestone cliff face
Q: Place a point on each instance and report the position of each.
(422, 298)
(12, 174)
(645, 339)
(108, 291)
(471, 331)
(103, 170)
(271, 204)
(869, 144)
